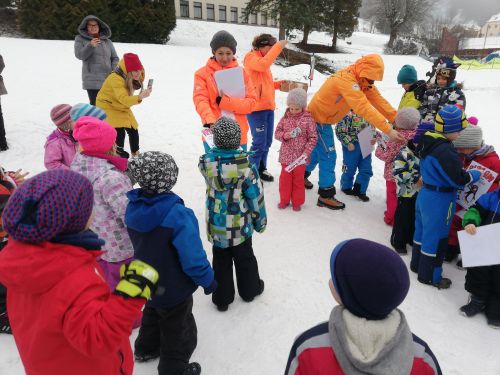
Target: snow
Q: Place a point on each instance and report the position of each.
(294, 251)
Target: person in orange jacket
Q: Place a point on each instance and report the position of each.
(349, 88)
(258, 63)
(209, 102)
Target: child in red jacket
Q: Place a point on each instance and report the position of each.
(366, 332)
(64, 317)
(297, 132)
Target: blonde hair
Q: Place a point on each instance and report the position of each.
(129, 82)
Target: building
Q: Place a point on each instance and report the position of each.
(491, 28)
(230, 11)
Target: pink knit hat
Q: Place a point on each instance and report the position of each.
(94, 135)
(60, 114)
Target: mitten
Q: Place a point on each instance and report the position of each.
(138, 280)
(211, 288)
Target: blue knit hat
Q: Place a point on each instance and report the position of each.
(51, 203)
(424, 127)
(450, 119)
(84, 109)
(370, 279)
(407, 74)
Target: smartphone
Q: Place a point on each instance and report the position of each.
(150, 83)
(95, 35)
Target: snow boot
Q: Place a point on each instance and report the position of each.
(356, 191)
(4, 323)
(444, 283)
(327, 199)
(494, 323)
(146, 357)
(266, 176)
(193, 368)
(474, 307)
(348, 191)
(122, 153)
(259, 292)
(222, 308)
(307, 184)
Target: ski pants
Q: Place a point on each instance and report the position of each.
(353, 161)
(404, 222)
(292, 186)
(262, 127)
(325, 156)
(484, 283)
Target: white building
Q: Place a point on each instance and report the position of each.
(491, 27)
(230, 11)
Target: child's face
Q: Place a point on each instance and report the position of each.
(452, 136)
(441, 81)
(406, 86)
(136, 75)
(334, 292)
(224, 56)
(293, 109)
(466, 151)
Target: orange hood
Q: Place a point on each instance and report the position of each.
(369, 67)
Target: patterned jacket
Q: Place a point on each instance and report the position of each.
(234, 197)
(304, 142)
(388, 154)
(348, 128)
(437, 97)
(406, 171)
(110, 201)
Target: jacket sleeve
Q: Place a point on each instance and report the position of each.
(241, 106)
(83, 51)
(186, 240)
(357, 100)
(381, 104)
(279, 134)
(254, 196)
(114, 188)
(262, 63)
(312, 137)
(114, 56)
(448, 163)
(120, 93)
(389, 153)
(201, 100)
(53, 158)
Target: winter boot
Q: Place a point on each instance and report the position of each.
(401, 250)
(494, 323)
(222, 308)
(259, 292)
(4, 323)
(444, 283)
(474, 307)
(266, 176)
(193, 368)
(122, 153)
(146, 357)
(356, 191)
(327, 199)
(308, 184)
(348, 191)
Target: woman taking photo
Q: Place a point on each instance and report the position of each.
(209, 102)
(117, 96)
(258, 64)
(96, 50)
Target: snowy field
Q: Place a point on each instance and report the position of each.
(294, 251)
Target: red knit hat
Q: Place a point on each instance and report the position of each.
(132, 62)
(60, 114)
(94, 135)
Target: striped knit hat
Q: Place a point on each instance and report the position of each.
(60, 116)
(84, 109)
(51, 203)
(450, 119)
(471, 137)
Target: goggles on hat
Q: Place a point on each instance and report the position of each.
(444, 72)
(267, 42)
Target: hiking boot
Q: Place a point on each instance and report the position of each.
(474, 307)
(444, 283)
(146, 357)
(494, 323)
(222, 308)
(193, 368)
(266, 176)
(330, 203)
(308, 184)
(5, 324)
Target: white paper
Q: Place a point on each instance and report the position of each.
(294, 164)
(471, 193)
(230, 82)
(365, 138)
(482, 248)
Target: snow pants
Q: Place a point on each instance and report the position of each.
(262, 127)
(391, 200)
(292, 186)
(484, 283)
(353, 161)
(404, 222)
(325, 156)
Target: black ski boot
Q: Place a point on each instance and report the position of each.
(307, 184)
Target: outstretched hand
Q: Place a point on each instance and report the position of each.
(396, 136)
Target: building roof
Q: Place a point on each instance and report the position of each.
(480, 43)
(495, 18)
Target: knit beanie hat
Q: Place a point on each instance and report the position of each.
(51, 203)
(154, 171)
(132, 62)
(407, 74)
(424, 127)
(407, 118)
(227, 134)
(450, 119)
(94, 135)
(470, 137)
(223, 39)
(84, 109)
(60, 115)
(297, 97)
(370, 279)
(263, 40)
(473, 120)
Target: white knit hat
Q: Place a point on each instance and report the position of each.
(297, 97)
(470, 137)
(407, 118)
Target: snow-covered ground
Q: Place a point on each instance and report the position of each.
(294, 251)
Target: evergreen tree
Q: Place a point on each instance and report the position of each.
(340, 17)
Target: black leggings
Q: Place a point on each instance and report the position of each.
(133, 138)
(92, 96)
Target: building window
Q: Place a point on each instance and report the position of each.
(197, 10)
(184, 8)
(222, 13)
(253, 18)
(274, 22)
(210, 12)
(242, 18)
(234, 14)
(263, 19)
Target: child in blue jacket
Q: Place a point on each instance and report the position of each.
(442, 175)
(165, 234)
(234, 209)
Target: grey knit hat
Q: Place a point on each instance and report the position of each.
(470, 137)
(407, 118)
(297, 97)
(223, 39)
(227, 134)
(154, 171)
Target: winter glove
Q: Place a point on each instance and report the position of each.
(138, 280)
(475, 176)
(211, 288)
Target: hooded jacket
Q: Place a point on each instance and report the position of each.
(350, 345)
(60, 150)
(205, 93)
(486, 156)
(63, 316)
(414, 96)
(115, 100)
(345, 90)
(110, 201)
(234, 197)
(165, 235)
(259, 68)
(98, 62)
(437, 97)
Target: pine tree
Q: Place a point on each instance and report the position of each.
(340, 17)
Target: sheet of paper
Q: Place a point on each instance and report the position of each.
(482, 248)
(365, 138)
(294, 164)
(230, 82)
(471, 193)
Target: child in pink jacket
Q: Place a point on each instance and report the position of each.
(60, 148)
(297, 132)
(406, 122)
